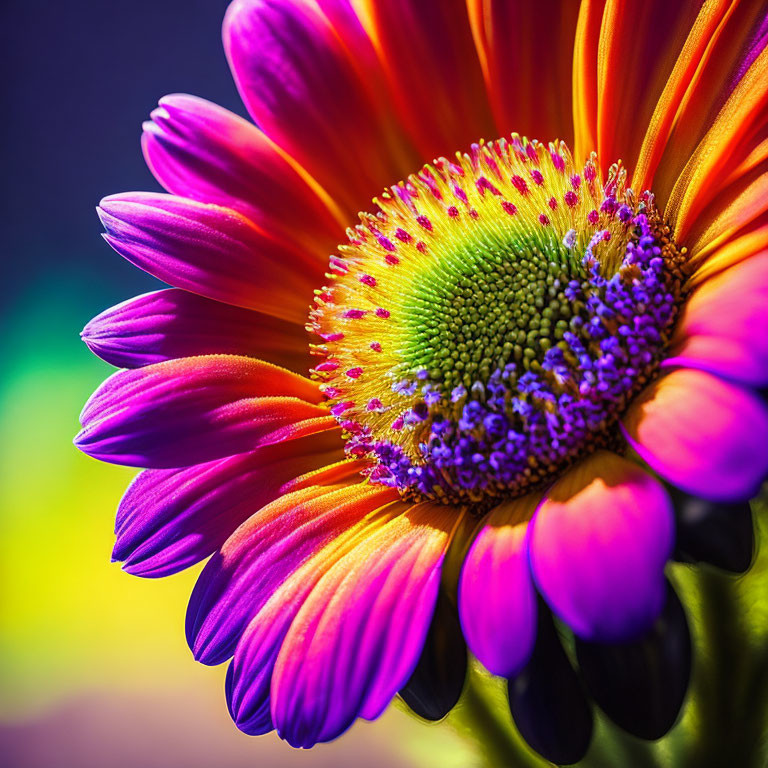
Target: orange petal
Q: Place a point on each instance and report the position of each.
(746, 107)
(733, 48)
(722, 252)
(674, 90)
(529, 93)
(695, 52)
(639, 42)
(731, 210)
(625, 52)
(434, 72)
(585, 51)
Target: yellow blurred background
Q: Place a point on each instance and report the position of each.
(94, 665)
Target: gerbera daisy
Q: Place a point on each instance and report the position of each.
(524, 382)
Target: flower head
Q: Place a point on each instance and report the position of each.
(522, 384)
(489, 325)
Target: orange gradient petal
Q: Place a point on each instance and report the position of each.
(677, 91)
(722, 253)
(624, 54)
(434, 72)
(731, 209)
(266, 552)
(696, 50)
(697, 185)
(585, 49)
(529, 93)
(358, 635)
(732, 49)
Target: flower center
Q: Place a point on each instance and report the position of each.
(490, 323)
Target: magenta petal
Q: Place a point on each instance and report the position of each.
(197, 409)
(319, 93)
(359, 634)
(724, 326)
(170, 519)
(169, 324)
(497, 601)
(702, 434)
(261, 554)
(598, 546)
(348, 26)
(211, 251)
(199, 150)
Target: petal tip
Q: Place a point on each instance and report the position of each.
(80, 440)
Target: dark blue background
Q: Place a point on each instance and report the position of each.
(79, 77)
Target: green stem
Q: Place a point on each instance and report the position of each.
(490, 728)
(730, 715)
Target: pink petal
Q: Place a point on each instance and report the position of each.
(598, 547)
(211, 251)
(358, 635)
(168, 324)
(724, 326)
(199, 150)
(197, 409)
(170, 519)
(705, 436)
(262, 553)
(497, 602)
(314, 93)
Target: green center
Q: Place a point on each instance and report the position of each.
(491, 304)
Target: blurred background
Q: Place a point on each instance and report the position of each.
(94, 669)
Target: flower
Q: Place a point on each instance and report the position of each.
(534, 367)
